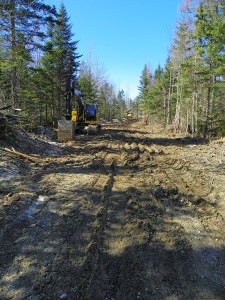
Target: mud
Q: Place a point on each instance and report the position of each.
(127, 214)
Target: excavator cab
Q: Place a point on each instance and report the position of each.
(91, 112)
(80, 117)
(83, 115)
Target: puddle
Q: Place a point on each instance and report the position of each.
(53, 152)
(31, 211)
(8, 174)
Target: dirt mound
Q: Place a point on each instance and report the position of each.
(42, 141)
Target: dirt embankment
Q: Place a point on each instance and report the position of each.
(127, 214)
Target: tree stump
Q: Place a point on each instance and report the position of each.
(3, 126)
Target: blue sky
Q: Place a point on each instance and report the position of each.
(123, 35)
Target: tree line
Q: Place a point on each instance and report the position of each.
(38, 52)
(188, 93)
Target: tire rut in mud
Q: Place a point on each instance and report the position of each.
(120, 218)
(127, 236)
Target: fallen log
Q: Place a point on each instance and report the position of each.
(5, 107)
(20, 154)
(13, 116)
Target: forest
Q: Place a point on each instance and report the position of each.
(38, 51)
(135, 210)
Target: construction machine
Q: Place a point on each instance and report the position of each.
(128, 114)
(81, 117)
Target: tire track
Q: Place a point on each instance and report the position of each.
(92, 263)
(122, 219)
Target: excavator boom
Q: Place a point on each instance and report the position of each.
(82, 118)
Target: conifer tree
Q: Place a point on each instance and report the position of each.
(167, 80)
(65, 56)
(22, 30)
(107, 102)
(182, 54)
(121, 103)
(87, 83)
(158, 101)
(60, 61)
(144, 95)
(210, 25)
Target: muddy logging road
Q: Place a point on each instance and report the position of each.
(127, 214)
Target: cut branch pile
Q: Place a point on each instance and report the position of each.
(7, 118)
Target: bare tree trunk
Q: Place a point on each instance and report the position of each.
(207, 112)
(169, 101)
(187, 129)
(177, 113)
(164, 111)
(209, 104)
(13, 49)
(194, 109)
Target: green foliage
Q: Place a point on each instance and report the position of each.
(121, 104)
(108, 104)
(21, 35)
(59, 61)
(144, 95)
(187, 92)
(87, 83)
(38, 53)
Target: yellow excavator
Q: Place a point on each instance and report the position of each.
(81, 117)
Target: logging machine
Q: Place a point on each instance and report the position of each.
(81, 117)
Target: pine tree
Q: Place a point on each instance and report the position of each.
(182, 61)
(65, 56)
(158, 101)
(21, 27)
(210, 25)
(167, 80)
(107, 108)
(60, 61)
(87, 83)
(121, 103)
(144, 95)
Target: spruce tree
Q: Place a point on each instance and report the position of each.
(22, 31)
(209, 33)
(65, 56)
(144, 95)
(87, 83)
(121, 103)
(182, 60)
(107, 102)
(59, 62)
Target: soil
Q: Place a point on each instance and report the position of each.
(131, 213)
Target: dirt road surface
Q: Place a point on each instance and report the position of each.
(127, 214)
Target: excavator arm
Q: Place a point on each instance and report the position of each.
(73, 94)
(84, 115)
